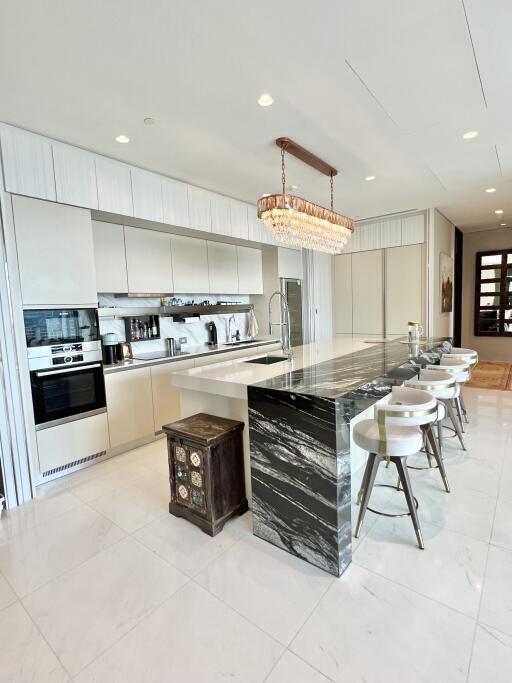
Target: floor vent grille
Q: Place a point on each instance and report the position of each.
(69, 465)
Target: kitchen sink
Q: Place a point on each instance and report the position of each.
(267, 360)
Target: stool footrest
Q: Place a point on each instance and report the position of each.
(388, 514)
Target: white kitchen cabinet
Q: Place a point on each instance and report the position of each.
(239, 220)
(129, 405)
(289, 263)
(413, 229)
(147, 195)
(190, 265)
(258, 231)
(369, 236)
(391, 233)
(166, 397)
(114, 186)
(75, 176)
(404, 287)
(368, 292)
(72, 441)
(221, 215)
(343, 294)
(199, 208)
(148, 261)
(55, 253)
(109, 257)
(250, 270)
(28, 163)
(222, 268)
(175, 203)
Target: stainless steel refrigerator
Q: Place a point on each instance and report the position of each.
(292, 291)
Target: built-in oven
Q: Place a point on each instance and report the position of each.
(65, 361)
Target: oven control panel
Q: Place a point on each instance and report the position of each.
(67, 360)
(66, 348)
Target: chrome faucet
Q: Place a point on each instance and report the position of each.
(231, 318)
(285, 326)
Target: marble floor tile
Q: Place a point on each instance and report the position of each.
(109, 594)
(38, 511)
(496, 607)
(449, 570)
(135, 504)
(153, 456)
(7, 595)
(184, 545)
(25, 657)
(191, 637)
(367, 628)
(44, 552)
(492, 657)
(274, 590)
(291, 669)
(112, 479)
(502, 528)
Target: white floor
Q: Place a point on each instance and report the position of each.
(99, 583)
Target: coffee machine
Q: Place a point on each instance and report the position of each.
(212, 333)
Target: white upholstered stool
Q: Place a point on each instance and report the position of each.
(470, 356)
(460, 370)
(394, 435)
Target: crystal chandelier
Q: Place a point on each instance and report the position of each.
(298, 222)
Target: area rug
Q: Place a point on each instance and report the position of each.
(491, 375)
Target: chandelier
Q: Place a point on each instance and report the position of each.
(299, 223)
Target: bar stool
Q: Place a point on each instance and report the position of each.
(393, 436)
(470, 356)
(460, 370)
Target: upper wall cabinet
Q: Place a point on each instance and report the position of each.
(148, 261)
(147, 195)
(221, 215)
(369, 236)
(175, 203)
(289, 263)
(114, 186)
(222, 268)
(190, 265)
(391, 233)
(28, 163)
(199, 207)
(413, 229)
(55, 253)
(250, 272)
(75, 176)
(239, 220)
(109, 257)
(258, 231)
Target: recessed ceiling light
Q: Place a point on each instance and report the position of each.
(503, 224)
(370, 177)
(265, 100)
(123, 139)
(149, 121)
(491, 189)
(499, 212)
(470, 134)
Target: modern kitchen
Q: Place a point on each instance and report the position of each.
(255, 408)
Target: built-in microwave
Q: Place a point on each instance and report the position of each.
(66, 372)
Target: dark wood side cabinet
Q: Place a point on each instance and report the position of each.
(206, 470)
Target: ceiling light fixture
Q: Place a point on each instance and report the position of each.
(491, 189)
(370, 177)
(265, 100)
(122, 139)
(149, 121)
(503, 224)
(470, 134)
(298, 222)
(499, 212)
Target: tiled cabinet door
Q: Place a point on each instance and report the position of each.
(75, 176)
(222, 268)
(148, 258)
(114, 186)
(28, 163)
(109, 257)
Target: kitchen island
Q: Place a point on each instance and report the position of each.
(298, 445)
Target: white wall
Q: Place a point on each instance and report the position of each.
(290, 263)
(441, 238)
(489, 348)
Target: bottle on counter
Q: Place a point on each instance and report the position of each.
(154, 326)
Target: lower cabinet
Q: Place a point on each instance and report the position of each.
(166, 397)
(129, 405)
(72, 441)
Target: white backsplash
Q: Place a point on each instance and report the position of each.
(194, 329)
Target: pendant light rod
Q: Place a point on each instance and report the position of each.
(306, 156)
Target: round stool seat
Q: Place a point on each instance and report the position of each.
(407, 406)
(468, 355)
(456, 367)
(399, 441)
(442, 385)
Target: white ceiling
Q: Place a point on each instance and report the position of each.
(373, 87)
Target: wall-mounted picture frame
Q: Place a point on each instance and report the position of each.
(446, 282)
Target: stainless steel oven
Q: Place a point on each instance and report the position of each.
(66, 372)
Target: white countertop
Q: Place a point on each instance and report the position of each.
(231, 378)
(190, 354)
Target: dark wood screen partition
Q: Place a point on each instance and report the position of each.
(493, 293)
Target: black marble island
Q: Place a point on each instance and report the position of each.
(299, 426)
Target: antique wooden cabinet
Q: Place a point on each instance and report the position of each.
(206, 470)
